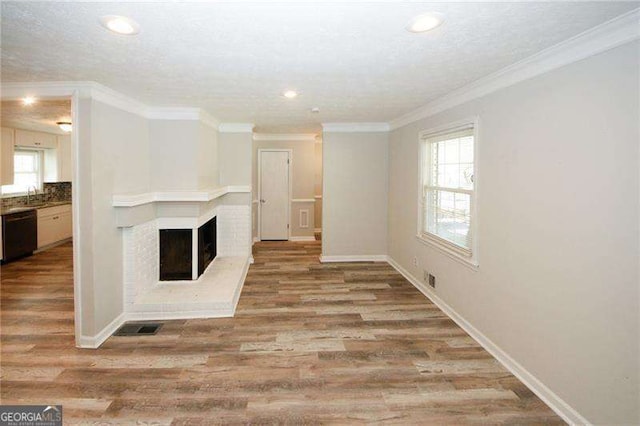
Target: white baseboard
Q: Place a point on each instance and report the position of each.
(302, 238)
(363, 258)
(94, 342)
(317, 230)
(557, 404)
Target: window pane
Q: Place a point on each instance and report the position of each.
(449, 185)
(448, 215)
(452, 163)
(26, 172)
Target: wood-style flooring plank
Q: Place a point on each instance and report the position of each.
(311, 343)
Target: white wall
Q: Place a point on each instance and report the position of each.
(302, 177)
(355, 169)
(114, 158)
(557, 287)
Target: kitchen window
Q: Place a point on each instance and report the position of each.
(448, 190)
(27, 172)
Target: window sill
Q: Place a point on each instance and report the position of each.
(469, 263)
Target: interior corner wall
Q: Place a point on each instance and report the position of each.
(113, 158)
(174, 153)
(234, 156)
(355, 175)
(303, 182)
(207, 157)
(558, 228)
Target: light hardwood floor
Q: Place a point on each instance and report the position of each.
(310, 343)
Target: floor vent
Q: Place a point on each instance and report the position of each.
(138, 329)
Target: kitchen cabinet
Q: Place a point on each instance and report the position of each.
(30, 139)
(54, 224)
(57, 162)
(6, 155)
(64, 158)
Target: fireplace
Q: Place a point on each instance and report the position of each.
(177, 251)
(207, 248)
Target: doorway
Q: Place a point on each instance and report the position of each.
(274, 193)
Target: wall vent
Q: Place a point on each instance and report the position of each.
(304, 218)
(138, 329)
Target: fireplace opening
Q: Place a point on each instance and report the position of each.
(207, 248)
(176, 254)
(177, 251)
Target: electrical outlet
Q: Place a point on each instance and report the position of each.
(415, 261)
(432, 281)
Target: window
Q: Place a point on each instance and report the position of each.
(448, 181)
(27, 172)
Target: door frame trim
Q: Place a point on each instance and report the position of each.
(290, 189)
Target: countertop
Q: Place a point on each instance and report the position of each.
(19, 209)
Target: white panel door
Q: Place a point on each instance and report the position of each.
(274, 195)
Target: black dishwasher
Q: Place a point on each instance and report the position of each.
(19, 234)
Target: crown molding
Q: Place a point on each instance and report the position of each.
(236, 127)
(162, 113)
(285, 137)
(103, 94)
(354, 127)
(616, 32)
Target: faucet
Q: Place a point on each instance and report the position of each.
(35, 192)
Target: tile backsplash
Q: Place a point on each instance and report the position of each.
(58, 191)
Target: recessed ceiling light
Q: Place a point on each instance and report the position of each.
(29, 100)
(65, 126)
(290, 94)
(425, 22)
(120, 24)
(315, 110)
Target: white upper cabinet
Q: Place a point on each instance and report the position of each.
(30, 139)
(6, 156)
(64, 158)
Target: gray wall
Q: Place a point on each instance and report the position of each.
(114, 158)
(207, 155)
(355, 194)
(173, 153)
(557, 287)
(234, 155)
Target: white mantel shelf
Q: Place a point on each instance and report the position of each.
(204, 195)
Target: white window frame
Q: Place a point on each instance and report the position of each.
(40, 183)
(468, 257)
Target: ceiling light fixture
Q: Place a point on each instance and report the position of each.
(65, 126)
(29, 100)
(315, 110)
(120, 24)
(290, 94)
(425, 22)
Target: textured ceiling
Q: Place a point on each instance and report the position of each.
(41, 116)
(353, 60)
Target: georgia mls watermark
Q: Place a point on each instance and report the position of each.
(30, 415)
